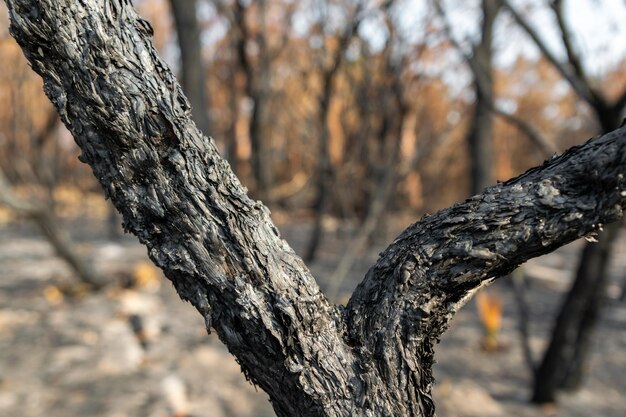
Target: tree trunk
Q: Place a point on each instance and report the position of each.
(193, 69)
(481, 127)
(324, 176)
(257, 87)
(567, 355)
(223, 254)
(325, 171)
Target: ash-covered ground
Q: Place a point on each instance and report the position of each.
(138, 350)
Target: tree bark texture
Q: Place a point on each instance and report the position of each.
(223, 254)
(192, 65)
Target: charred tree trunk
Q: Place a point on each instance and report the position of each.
(233, 104)
(193, 69)
(324, 174)
(479, 143)
(224, 255)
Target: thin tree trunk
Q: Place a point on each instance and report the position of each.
(257, 89)
(324, 175)
(481, 127)
(224, 255)
(325, 172)
(518, 283)
(233, 104)
(193, 68)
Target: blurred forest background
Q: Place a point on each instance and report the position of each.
(349, 119)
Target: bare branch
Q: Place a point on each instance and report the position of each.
(48, 225)
(435, 265)
(545, 145)
(579, 85)
(566, 35)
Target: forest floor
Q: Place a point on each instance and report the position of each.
(76, 356)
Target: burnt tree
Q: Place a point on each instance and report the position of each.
(220, 249)
(566, 358)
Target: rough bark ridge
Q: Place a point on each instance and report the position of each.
(221, 251)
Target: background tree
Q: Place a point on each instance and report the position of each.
(192, 65)
(566, 357)
(330, 65)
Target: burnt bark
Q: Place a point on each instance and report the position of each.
(223, 254)
(192, 66)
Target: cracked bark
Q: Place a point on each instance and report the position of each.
(219, 248)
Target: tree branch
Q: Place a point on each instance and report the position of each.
(48, 225)
(545, 145)
(566, 35)
(429, 271)
(579, 85)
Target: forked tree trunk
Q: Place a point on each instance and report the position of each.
(223, 254)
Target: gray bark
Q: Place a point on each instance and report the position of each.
(223, 254)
